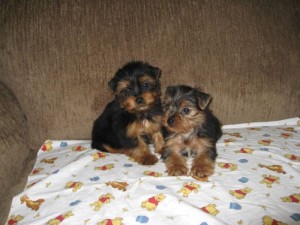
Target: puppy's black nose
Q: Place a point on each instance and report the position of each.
(139, 100)
(170, 121)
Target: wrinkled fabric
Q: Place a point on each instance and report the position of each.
(256, 181)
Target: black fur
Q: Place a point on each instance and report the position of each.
(111, 126)
(210, 128)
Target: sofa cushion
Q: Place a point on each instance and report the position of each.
(57, 56)
(15, 155)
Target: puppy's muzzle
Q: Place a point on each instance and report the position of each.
(139, 100)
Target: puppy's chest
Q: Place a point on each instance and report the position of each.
(142, 127)
(186, 144)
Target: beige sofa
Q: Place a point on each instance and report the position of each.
(57, 56)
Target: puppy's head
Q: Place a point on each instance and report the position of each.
(136, 86)
(184, 108)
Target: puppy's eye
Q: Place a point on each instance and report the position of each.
(186, 110)
(145, 85)
(127, 91)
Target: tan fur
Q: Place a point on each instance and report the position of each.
(145, 127)
(176, 165)
(158, 141)
(202, 166)
(129, 104)
(121, 86)
(149, 98)
(140, 128)
(146, 78)
(140, 154)
(184, 123)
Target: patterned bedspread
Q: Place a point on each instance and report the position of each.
(256, 181)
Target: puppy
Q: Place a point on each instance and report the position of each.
(191, 130)
(133, 119)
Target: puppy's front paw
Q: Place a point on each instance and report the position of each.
(202, 171)
(177, 170)
(149, 160)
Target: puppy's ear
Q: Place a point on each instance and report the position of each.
(112, 84)
(170, 90)
(157, 72)
(169, 94)
(203, 100)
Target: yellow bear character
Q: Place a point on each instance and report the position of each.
(78, 148)
(210, 209)
(14, 220)
(98, 155)
(286, 135)
(269, 221)
(269, 180)
(265, 142)
(119, 185)
(116, 221)
(57, 220)
(292, 198)
(105, 167)
(103, 199)
(189, 188)
(295, 158)
(47, 146)
(151, 203)
(74, 185)
(241, 193)
(289, 129)
(245, 150)
(228, 141)
(152, 173)
(230, 166)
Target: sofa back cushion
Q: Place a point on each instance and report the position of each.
(57, 56)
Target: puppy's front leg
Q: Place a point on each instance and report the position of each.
(175, 162)
(204, 163)
(141, 154)
(158, 142)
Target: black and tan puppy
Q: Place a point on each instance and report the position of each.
(192, 131)
(134, 116)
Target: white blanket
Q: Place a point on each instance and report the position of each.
(256, 181)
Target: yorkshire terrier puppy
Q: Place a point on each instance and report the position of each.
(133, 119)
(192, 130)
